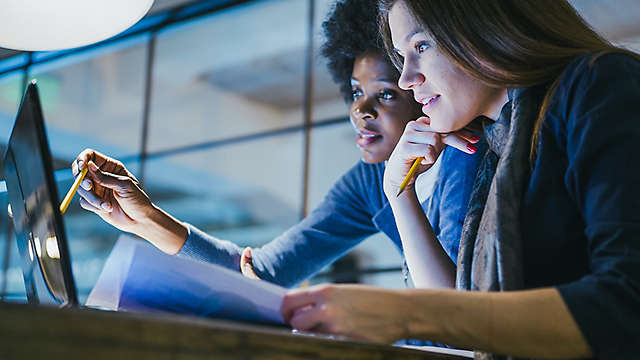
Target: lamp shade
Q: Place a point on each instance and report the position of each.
(42, 25)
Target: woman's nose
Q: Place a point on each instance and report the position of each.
(363, 110)
(410, 76)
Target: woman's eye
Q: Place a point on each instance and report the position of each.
(387, 95)
(356, 93)
(421, 47)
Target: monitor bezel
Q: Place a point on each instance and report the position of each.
(32, 99)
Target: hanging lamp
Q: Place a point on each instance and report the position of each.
(43, 25)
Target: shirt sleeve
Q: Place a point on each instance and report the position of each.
(601, 105)
(341, 221)
(204, 247)
(448, 207)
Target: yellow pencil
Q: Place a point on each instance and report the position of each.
(72, 191)
(412, 171)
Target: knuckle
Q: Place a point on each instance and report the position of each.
(85, 205)
(88, 198)
(429, 157)
(413, 132)
(333, 327)
(98, 174)
(286, 299)
(325, 310)
(405, 147)
(86, 153)
(129, 184)
(295, 323)
(326, 291)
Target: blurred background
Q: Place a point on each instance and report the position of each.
(225, 111)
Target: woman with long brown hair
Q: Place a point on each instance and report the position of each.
(549, 261)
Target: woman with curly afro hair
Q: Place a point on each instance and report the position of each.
(356, 206)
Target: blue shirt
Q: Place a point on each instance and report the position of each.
(354, 208)
(581, 210)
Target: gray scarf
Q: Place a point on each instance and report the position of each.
(490, 255)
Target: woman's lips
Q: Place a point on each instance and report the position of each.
(366, 138)
(429, 102)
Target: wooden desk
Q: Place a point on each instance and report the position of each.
(32, 332)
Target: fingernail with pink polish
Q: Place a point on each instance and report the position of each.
(472, 148)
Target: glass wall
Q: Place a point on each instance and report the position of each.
(229, 74)
(248, 192)
(11, 87)
(94, 99)
(11, 281)
(227, 142)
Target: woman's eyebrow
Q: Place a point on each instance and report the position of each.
(407, 38)
(389, 80)
(412, 33)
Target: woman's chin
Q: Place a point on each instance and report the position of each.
(367, 159)
(441, 126)
(371, 158)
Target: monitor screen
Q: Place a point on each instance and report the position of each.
(33, 201)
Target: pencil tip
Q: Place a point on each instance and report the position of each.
(399, 192)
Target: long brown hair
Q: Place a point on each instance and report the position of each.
(505, 43)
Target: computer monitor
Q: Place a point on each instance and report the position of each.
(34, 207)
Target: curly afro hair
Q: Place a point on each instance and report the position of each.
(351, 29)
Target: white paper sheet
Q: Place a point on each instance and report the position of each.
(138, 277)
(441, 350)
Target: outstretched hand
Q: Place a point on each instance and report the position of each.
(111, 191)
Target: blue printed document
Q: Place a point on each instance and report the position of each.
(138, 277)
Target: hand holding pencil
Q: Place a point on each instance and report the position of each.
(111, 191)
(417, 150)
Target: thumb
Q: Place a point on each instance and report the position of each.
(246, 264)
(425, 120)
